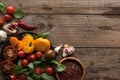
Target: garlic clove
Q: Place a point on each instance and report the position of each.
(57, 49)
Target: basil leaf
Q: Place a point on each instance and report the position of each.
(47, 77)
(30, 65)
(35, 63)
(60, 68)
(45, 35)
(19, 62)
(29, 78)
(2, 7)
(19, 14)
(55, 62)
(23, 71)
(36, 77)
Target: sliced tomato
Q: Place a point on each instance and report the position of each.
(10, 52)
(7, 66)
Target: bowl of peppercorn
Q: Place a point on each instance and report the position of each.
(75, 69)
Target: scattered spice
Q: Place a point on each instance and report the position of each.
(73, 71)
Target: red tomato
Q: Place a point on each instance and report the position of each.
(38, 54)
(7, 66)
(12, 77)
(49, 70)
(31, 57)
(1, 22)
(22, 77)
(24, 62)
(10, 9)
(21, 54)
(7, 17)
(38, 70)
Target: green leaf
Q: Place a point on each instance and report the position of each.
(29, 78)
(23, 71)
(19, 62)
(43, 58)
(47, 77)
(36, 77)
(60, 68)
(2, 7)
(45, 35)
(35, 63)
(30, 65)
(55, 62)
(19, 14)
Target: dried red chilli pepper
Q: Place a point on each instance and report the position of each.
(25, 26)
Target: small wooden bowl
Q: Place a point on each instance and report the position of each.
(76, 60)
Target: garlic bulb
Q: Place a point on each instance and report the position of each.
(68, 50)
(3, 35)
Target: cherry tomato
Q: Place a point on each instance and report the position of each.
(1, 22)
(24, 62)
(21, 54)
(7, 17)
(22, 77)
(49, 70)
(38, 70)
(12, 77)
(10, 9)
(38, 54)
(31, 57)
(7, 66)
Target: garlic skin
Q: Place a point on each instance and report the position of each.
(68, 50)
(3, 35)
(57, 49)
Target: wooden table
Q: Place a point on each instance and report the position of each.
(91, 26)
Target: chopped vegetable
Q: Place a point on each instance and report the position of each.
(10, 52)
(7, 66)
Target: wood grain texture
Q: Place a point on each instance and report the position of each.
(67, 6)
(100, 63)
(79, 30)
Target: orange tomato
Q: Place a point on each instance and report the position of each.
(20, 45)
(14, 41)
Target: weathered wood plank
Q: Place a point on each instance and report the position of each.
(101, 63)
(79, 30)
(67, 6)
